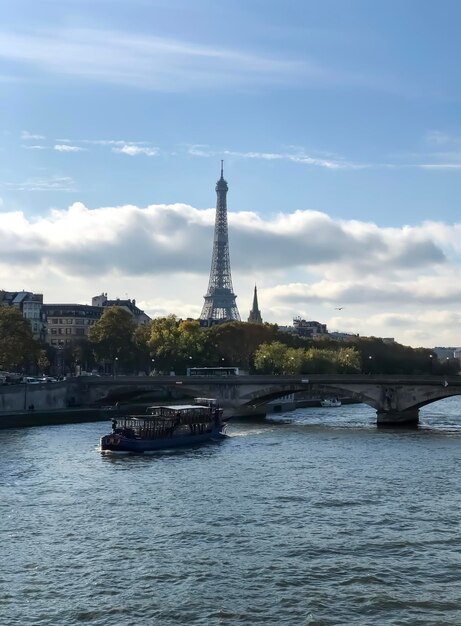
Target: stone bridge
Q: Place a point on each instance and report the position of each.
(397, 399)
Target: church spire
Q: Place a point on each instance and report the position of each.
(255, 313)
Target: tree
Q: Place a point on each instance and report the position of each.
(164, 342)
(82, 355)
(43, 361)
(17, 344)
(174, 344)
(142, 354)
(271, 358)
(237, 342)
(112, 336)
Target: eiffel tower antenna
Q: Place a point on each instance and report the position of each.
(220, 305)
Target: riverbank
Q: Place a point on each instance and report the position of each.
(77, 415)
(23, 419)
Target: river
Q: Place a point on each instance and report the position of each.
(311, 518)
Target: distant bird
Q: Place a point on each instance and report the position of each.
(339, 308)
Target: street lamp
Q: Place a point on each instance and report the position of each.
(115, 366)
(431, 356)
(370, 358)
(60, 359)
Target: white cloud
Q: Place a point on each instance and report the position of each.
(51, 183)
(150, 62)
(67, 148)
(298, 156)
(304, 263)
(26, 136)
(135, 150)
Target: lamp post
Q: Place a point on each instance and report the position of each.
(25, 393)
(347, 363)
(431, 356)
(153, 366)
(115, 366)
(60, 357)
(370, 359)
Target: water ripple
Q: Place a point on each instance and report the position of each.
(320, 520)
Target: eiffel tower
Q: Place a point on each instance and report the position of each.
(220, 305)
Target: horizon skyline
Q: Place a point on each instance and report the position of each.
(340, 131)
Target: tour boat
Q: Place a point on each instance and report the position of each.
(164, 427)
(330, 402)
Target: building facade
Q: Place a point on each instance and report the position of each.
(128, 305)
(31, 306)
(306, 328)
(68, 323)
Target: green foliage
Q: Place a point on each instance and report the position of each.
(277, 358)
(271, 358)
(169, 344)
(175, 345)
(43, 361)
(142, 355)
(112, 336)
(235, 343)
(18, 347)
(82, 355)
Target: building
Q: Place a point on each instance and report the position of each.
(445, 353)
(68, 323)
(220, 305)
(128, 305)
(31, 306)
(339, 336)
(304, 328)
(255, 313)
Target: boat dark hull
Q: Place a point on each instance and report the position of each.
(117, 443)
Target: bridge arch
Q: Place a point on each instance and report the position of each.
(396, 399)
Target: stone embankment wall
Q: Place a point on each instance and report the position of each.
(42, 396)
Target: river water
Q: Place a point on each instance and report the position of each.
(312, 518)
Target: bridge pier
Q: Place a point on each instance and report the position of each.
(398, 419)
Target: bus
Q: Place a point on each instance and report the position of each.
(213, 371)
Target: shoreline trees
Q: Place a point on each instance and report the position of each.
(171, 344)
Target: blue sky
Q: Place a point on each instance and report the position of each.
(343, 113)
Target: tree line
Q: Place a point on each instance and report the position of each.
(168, 344)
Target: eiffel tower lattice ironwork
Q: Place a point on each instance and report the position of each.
(220, 305)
